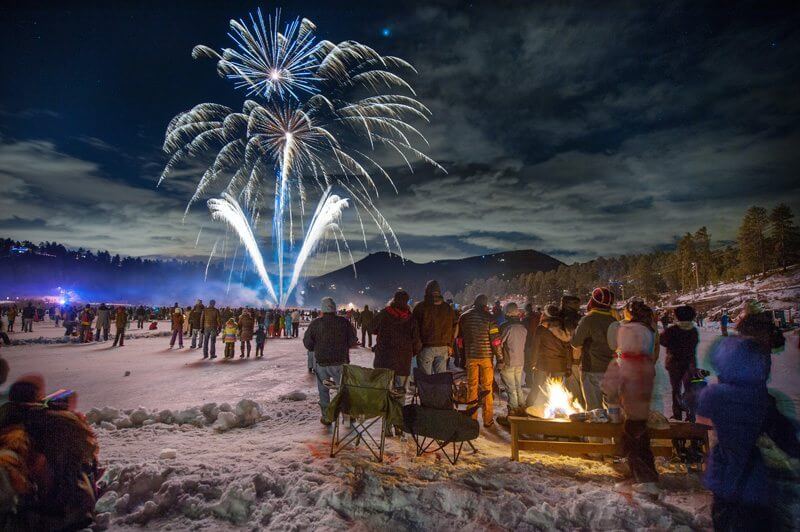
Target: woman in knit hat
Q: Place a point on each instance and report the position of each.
(591, 337)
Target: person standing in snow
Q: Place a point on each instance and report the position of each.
(681, 342)
(591, 338)
(229, 334)
(120, 321)
(211, 320)
(481, 339)
(365, 322)
(289, 325)
(330, 338)
(628, 382)
(741, 410)
(246, 326)
(550, 352)
(295, 323)
(28, 315)
(103, 322)
(85, 319)
(398, 339)
(177, 327)
(261, 339)
(724, 321)
(513, 335)
(435, 320)
(196, 324)
(12, 316)
(140, 317)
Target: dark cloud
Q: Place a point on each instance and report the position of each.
(575, 130)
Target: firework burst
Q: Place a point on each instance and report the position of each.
(318, 110)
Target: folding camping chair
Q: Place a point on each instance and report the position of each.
(365, 395)
(434, 419)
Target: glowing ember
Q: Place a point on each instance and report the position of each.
(560, 403)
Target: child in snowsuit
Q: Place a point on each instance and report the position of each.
(229, 337)
(629, 381)
(261, 339)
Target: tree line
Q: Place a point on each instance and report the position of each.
(766, 240)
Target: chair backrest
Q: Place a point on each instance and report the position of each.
(365, 391)
(435, 391)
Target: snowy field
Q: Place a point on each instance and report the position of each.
(209, 473)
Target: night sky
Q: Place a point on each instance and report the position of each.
(572, 130)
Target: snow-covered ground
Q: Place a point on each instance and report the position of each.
(276, 473)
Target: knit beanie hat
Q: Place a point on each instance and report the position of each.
(685, 313)
(481, 301)
(602, 298)
(328, 305)
(551, 311)
(400, 299)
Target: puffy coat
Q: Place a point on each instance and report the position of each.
(549, 346)
(103, 317)
(681, 342)
(365, 318)
(330, 337)
(246, 326)
(229, 333)
(398, 340)
(738, 406)
(513, 335)
(436, 321)
(177, 320)
(480, 334)
(211, 318)
(629, 379)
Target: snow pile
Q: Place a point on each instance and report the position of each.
(47, 340)
(221, 418)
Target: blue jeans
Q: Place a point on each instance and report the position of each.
(512, 379)
(311, 360)
(210, 337)
(333, 373)
(433, 359)
(197, 336)
(590, 383)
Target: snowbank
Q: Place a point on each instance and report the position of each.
(221, 418)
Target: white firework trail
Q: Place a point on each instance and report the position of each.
(326, 218)
(227, 209)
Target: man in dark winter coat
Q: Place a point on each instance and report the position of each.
(481, 337)
(681, 342)
(365, 322)
(330, 337)
(196, 324)
(28, 313)
(398, 338)
(550, 351)
(591, 337)
(141, 315)
(211, 320)
(435, 321)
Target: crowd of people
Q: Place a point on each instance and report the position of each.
(604, 354)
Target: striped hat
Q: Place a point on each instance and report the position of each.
(602, 298)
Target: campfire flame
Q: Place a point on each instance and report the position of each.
(560, 403)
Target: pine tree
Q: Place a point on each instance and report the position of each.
(703, 260)
(685, 262)
(753, 243)
(783, 235)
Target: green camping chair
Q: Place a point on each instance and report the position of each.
(365, 395)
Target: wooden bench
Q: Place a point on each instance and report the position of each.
(660, 440)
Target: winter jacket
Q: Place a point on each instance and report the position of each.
(366, 318)
(121, 319)
(229, 333)
(177, 320)
(591, 338)
(435, 321)
(398, 340)
(86, 317)
(629, 379)
(550, 350)
(195, 317)
(103, 317)
(513, 335)
(330, 337)
(737, 406)
(28, 312)
(246, 326)
(261, 335)
(681, 342)
(211, 318)
(480, 334)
